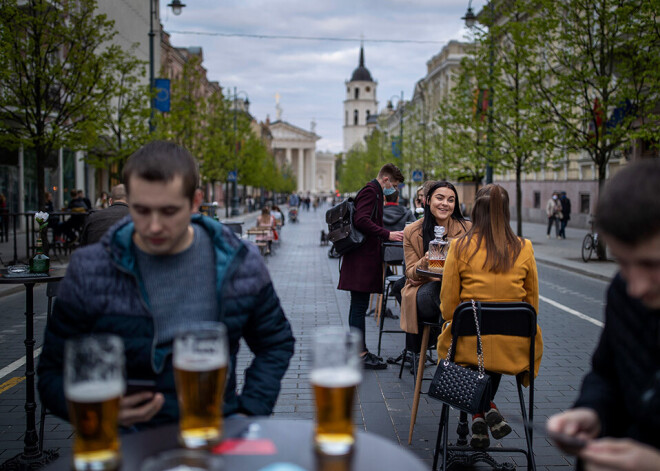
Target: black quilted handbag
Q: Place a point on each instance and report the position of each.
(463, 388)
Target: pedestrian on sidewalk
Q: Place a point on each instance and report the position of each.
(161, 271)
(565, 213)
(362, 269)
(617, 414)
(491, 264)
(553, 210)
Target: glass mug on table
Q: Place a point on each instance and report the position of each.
(93, 384)
(201, 357)
(336, 372)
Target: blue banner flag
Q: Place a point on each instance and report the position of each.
(162, 87)
(396, 147)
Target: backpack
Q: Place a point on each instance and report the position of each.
(345, 237)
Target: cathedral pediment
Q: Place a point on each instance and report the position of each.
(281, 130)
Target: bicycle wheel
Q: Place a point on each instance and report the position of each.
(587, 247)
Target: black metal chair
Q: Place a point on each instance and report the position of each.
(513, 319)
(51, 292)
(392, 257)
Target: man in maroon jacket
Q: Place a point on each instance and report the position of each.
(362, 269)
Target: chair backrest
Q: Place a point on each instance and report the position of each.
(236, 227)
(51, 292)
(516, 319)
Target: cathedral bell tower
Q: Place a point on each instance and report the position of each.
(360, 105)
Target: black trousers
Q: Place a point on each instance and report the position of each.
(428, 309)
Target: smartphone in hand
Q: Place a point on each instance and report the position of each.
(134, 386)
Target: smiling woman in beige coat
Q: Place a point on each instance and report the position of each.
(420, 297)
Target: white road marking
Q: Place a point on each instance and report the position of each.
(17, 364)
(572, 311)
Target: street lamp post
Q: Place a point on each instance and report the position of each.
(234, 195)
(176, 6)
(401, 105)
(470, 20)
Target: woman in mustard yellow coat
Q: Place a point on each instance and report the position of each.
(490, 264)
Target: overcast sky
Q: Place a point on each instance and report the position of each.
(309, 74)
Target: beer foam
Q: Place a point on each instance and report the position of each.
(336, 377)
(199, 363)
(94, 391)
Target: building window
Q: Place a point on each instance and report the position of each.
(357, 92)
(355, 117)
(346, 119)
(368, 114)
(537, 199)
(348, 89)
(368, 89)
(585, 203)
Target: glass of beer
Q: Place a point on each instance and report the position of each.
(93, 383)
(201, 356)
(336, 372)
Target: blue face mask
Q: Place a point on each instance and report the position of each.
(388, 191)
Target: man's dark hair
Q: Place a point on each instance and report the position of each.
(629, 207)
(392, 171)
(393, 198)
(162, 161)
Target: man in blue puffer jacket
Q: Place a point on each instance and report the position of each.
(161, 270)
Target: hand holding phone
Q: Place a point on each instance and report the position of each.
(134, 386)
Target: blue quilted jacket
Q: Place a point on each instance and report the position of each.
(103, 292)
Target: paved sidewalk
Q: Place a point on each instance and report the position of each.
(305, 280)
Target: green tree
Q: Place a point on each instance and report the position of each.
(186, 123)
(361, 164)
(601, 82)
(56, 69)
(126, 117)
(461, 125)
(504, 62)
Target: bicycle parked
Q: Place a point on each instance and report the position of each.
(590, 242)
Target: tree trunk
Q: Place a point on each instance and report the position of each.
(601, 249)
(519, 230)
(41, 177)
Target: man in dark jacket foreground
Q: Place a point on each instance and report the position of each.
(98, 222)
(617, 415)
(362, 268)
(165, 270)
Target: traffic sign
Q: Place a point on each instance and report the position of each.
(231, 176)
(417, 175)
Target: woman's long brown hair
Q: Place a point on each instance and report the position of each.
(490, 225)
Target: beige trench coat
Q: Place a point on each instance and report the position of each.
(413, 252)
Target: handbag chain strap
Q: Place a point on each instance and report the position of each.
(480, 354)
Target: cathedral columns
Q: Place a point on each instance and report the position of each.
(301, 169)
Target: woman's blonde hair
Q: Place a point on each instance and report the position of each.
(490, 225)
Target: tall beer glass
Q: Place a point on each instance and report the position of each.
(336, 372)
(201, 357)
(93, 383)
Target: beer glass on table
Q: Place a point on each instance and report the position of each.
(93, 384)
(201, 356)
(336, 372)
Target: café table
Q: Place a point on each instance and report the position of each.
(32, 457)
(428, 273)
(266, 441)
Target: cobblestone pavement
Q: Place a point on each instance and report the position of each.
(305, 280)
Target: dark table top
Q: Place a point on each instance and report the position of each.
(429, 273)
(292, 440)
(55, 274)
